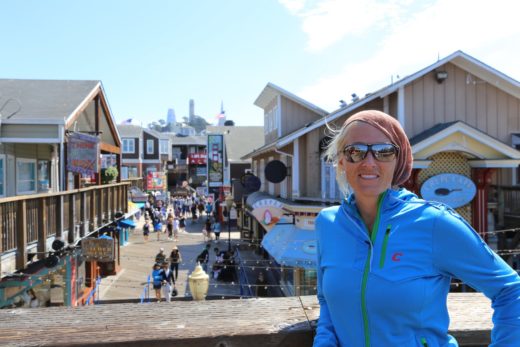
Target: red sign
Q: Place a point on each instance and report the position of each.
(197, 158)
(156, 181)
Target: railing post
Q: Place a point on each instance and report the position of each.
(59, 217)
(72, 214)
(42, 223)
(83, 214)
(92, 217)
(100, 206)
(21, 234)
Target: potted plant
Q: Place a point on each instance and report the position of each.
(109, 174)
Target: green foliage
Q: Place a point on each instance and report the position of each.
(109, 174)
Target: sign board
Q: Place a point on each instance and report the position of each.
(451, 189)
(82, 153)
(215, 160)
(233, 213)
(101, 250)
(268, 212)
(197, 158)
(156, 181)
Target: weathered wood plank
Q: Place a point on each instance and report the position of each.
(266, 322)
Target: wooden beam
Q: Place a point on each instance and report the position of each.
(42, 226)
(21, 234)
(72, 214)
(109, 148)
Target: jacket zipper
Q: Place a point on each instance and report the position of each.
(367, 271)
(424, 342)
(383, 250)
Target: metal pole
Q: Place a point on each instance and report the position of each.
(229, 231)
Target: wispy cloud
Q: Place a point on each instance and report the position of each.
(489, 33)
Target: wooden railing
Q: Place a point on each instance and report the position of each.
(69, 215)
(136, 181)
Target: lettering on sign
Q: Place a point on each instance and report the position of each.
(101, 250)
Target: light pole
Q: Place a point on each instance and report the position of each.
(229, 205)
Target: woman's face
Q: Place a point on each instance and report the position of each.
(368, 177)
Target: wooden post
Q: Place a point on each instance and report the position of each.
(21, 234)
(100, 206)
(83, 214)
(92, 217)
(42, 223)
(59, 217)
(72, 215)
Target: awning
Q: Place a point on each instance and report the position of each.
(139, 204)
(291, 246)
(127, 223)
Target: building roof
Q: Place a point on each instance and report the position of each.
(197, 140)
(129, 130)
(239, 140)
(271, 91)
(47, 101)
(458, 58)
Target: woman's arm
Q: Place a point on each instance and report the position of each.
(460, 252)
(325, 332)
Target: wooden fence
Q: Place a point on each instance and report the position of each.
(70, 215)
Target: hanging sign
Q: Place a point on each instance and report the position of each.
(101, 250)
(82, 153)
(451, 189)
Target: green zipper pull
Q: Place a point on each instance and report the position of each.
(383, 249)
(423, 342)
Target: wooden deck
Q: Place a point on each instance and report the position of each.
(221, 323)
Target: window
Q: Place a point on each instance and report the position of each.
(43, 175)
(163, 146)
(2, 175)
(329, 185)
(149, 146)
(128, 145)
(25, 176)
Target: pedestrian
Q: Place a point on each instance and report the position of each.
(385, 258)
(157, 280)
(160, 257)
(203, 257)
(169, 227)
(207, 230)
(182, 224)
(175, 226)
(216, 230)
(175, 260)
(146, 230)
(194, 213)
(158, 229)
(168, 282)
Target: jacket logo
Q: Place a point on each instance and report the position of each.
(397, 256)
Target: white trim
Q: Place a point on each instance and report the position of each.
(496, 163)
(131, 161)
(283, 184)
(29, 140)
(128, 140)
(261, 174)
(270, 185)
(87, 99)
(33, 121)
(401, 116)
(515, 141)
(471, 132)
(279, 115)
(421, 164)
(4, 174)
(386, 104)
(151, 161)
(296, 169)
(31, 161)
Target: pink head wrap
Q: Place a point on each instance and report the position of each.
(395, 133)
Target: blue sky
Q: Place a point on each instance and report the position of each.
(153, 55)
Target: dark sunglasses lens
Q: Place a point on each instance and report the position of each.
(356, 153)
(384, 152)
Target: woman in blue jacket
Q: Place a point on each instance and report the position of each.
(386, 257)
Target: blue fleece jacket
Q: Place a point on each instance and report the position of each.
(389, 288)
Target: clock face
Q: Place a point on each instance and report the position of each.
(453, 190)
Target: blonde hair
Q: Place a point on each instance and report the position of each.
(333, 153)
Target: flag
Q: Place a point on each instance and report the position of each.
(127, 121)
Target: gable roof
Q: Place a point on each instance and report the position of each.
(130, 130)
(197, 140)
(271, 91)
(483, 150)
(44, 101)
(239, 140)
(458, 58)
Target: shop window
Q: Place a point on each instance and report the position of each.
(25, 176)
(44, 175)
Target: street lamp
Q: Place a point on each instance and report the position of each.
(229, 205)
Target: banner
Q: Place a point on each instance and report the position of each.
(156, 181)
(215, 160)
(82, 153)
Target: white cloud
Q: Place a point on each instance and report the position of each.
(482, 31)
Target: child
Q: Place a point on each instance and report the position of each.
(146, 230)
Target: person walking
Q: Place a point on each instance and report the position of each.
(175, 226)
(386, 258)
(217, 229)
(157, 280)
(146, 230)
(203, 257)
(168, 282)
(160, 257)
(175, 260)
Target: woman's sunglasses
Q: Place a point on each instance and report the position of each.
(384, 152)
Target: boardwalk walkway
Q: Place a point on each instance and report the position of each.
(137, 259)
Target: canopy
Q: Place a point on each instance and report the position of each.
(291, 246)
(127, 223)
